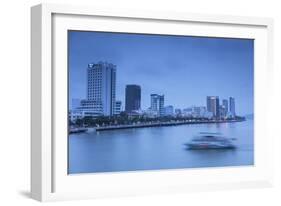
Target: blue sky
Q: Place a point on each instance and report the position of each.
(185, 69)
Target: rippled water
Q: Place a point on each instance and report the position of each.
(157, 148)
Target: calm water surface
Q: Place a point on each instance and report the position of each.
(157, 148)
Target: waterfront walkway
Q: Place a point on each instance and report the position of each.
(160, 124)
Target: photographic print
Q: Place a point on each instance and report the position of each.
(150, 102)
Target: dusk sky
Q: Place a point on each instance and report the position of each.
(185, 69)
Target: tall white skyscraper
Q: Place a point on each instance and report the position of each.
(101, 86)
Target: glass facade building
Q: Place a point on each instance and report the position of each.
(213, 106)
(232, 106)
(157, 104)
(132, 98)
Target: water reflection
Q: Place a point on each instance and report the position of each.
(157, 148)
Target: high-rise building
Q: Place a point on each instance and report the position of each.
(101, 86)
(225, 105)
(224, 108)
(133, 98)
(161, 105)
(213, 105)
(154, 105)
(157, 104)
(232, 106)
(118, 107)
(223, 112)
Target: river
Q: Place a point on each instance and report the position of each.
(157, 148)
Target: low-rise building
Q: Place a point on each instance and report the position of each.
(169, 110)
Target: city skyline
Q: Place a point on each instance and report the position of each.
(100, 84)
(180, 92)
(101, 99)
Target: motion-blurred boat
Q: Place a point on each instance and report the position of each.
(208, 140)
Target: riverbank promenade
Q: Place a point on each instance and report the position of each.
(160, 124)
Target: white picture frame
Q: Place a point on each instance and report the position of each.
(49, 178)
